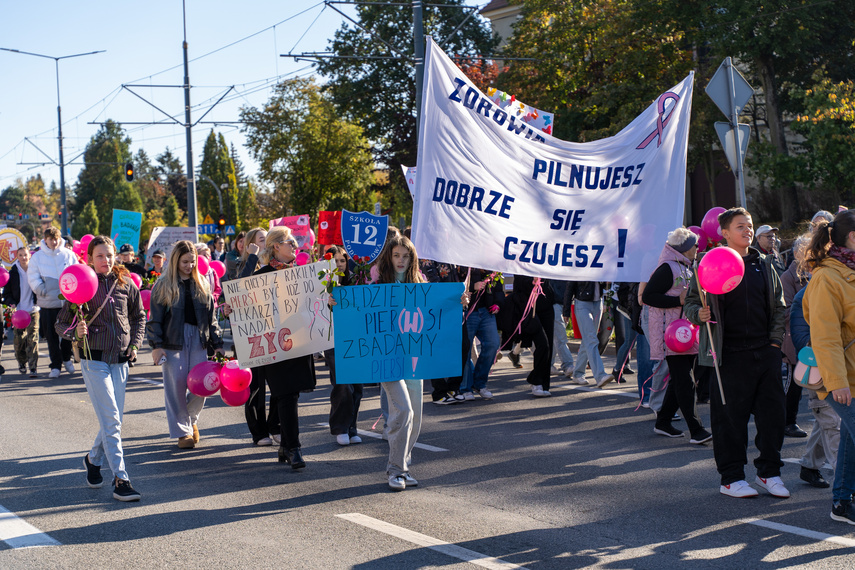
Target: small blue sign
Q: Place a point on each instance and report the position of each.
(363, 234)
(208, 229)
(230, 230)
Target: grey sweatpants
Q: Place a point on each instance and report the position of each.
(824, 438)
(182, 406)
(405, 423)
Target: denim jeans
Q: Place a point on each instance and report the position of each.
(623, 328)
(559, 341)
(588, 315)
(105, 384)
(645, 367)
(844, 471)
(483, 325)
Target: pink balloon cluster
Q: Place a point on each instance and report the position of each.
(206, 378)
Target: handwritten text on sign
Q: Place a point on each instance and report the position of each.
(393, 332)
(279, 315)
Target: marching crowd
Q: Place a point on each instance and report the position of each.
(749, 343)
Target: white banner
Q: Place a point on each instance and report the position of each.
(527, 203)
(279, 315)
(165, 239)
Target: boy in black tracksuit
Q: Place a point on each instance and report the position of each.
(748, 331)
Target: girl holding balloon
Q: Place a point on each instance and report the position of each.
(181, 328)
(105, 311)
(671, 336)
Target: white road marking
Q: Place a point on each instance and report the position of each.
(19, 534)
(821, 536)
(799, 461)
(146, 381)
(426, 541)
(633, 395)
(376, 435)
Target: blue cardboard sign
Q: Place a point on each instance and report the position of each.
(385, 333)
(126, 228)
(363, 234)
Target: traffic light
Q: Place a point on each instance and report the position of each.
(222, 223)
(129, 171)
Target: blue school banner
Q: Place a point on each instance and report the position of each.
(126, 228)
(385, 333)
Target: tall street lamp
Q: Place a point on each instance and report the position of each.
(59, 119)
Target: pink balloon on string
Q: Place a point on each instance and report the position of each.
(145, 297)
(679, 336)
(710, 224)
(4, 276)
(204, 379)
(78, 283)
(21, 319)
(720, 270)
(136, 279)
(202, 264)
(233, 398)
(302, 258)
(219, 268)
(702, 237)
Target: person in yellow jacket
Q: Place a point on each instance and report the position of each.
(829, 309)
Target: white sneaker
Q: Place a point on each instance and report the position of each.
(264, 441)
(739, 489)
(568, 372)
(579, 381)
(356, 439)
(605, 380)
(276, 437)
(397, 482)
(69, 367)
(775, 486)
(54, 373)
(410, 481)
(468, 396)
(485, 394)
(539, 392)
(342, 439)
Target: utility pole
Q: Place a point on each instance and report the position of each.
(62, 196)
(419, 45)
(191, 182)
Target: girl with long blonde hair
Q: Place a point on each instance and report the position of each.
(182, 327)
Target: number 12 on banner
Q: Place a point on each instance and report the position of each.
(368, 234)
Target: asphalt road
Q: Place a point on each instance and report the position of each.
(575, 480)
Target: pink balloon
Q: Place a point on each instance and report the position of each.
(204, 379)
(679, 335)
(4, 276)
(136, 279)
(311, 241)
(202, 265)
(78, 283)
(302, 258)
(21, 319)
(234, 398)
(145, 297)
(234, 378)
(721, 270)
(84, 241)
(697, 335)
(702, 237)
(219, 268)
(710, 224)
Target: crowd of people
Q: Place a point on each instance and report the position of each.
(749, 345)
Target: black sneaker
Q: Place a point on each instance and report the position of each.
(840, 511)
(515, 359)
(122, 491)
(701, 437)
(93, 473)
(668, 431)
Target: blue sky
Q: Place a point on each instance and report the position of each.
(142, 42)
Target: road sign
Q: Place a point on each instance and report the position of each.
(209, 229)
(718, 89)
(230, 230)
(725, 135)
(208, 219)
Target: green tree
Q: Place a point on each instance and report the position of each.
(218, 166)
(313, 159)
(169, 167)
(87, 221)
(172, 214)
(378, 94)
(13, 200)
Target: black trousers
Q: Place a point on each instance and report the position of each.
(752, 385)
(59, 349)
(286, 404)
(440, 387)
(344, 401)
(539, 329)
(256, 407)
(704, 377)
(680, 394)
